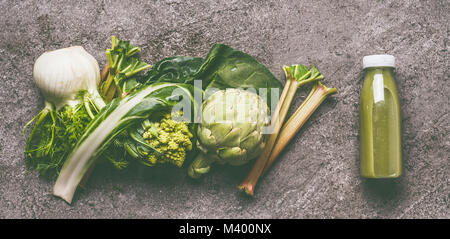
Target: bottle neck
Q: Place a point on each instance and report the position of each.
(380, 70)
(387, 68)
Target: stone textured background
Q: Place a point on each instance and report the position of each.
(317, 176)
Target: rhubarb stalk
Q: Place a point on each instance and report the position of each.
(296, 76)
(317, 95)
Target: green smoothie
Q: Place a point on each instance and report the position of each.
(380, 131)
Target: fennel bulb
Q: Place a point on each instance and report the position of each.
(68, 80)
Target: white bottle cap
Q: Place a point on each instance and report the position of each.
(378, 61)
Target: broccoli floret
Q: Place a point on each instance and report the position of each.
(172, 140)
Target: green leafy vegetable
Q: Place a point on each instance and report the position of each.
(222, 68)
(225, 67)
(177, 69)
(112, 122)
(139, 121)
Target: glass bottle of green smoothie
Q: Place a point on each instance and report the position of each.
(380, 133)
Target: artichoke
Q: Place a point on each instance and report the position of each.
(231, 129)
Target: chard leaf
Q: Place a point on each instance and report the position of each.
(110, 123)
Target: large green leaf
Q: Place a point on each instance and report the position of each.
(225, 67)
(177, 69)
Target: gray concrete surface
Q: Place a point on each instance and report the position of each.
(317, 176)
